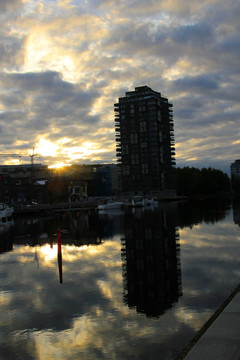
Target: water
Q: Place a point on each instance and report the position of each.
(128, 285)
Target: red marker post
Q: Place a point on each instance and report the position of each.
(59, 241)
(59, 255)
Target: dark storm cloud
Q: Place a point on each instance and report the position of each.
(12, 99)
(11, 115)
(12, 52)
(169, 43)
(47, 81)
(201, 84)
(51, 96)
(196, 34)
(54, 104)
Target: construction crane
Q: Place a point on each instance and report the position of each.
(32, 156)
(20, 156)
(12, 155)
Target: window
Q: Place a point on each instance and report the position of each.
(160, 137)
(125, 149)
(143, 127)
(134, 138)
(136, 177)
(161, 155)
(131, 108)
(125, 170)
(135, 159)
(145, 169)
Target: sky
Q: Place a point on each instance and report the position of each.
(64, 63)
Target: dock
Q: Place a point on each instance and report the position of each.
(63, 207)
(219, 338)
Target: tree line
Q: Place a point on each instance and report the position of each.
(207, 181)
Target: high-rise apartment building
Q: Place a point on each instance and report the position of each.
(235, 168)
(145, 141)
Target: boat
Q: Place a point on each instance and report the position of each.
(140, 201)
(150, 202)
(111, 214)
(111, 205)
(6, 212)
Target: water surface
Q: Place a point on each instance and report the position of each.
(128, 285)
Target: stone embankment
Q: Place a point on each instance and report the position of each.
(219, 338)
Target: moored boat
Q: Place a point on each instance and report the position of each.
(140, 201)
(137, 201)
(6, 212)
(150, 202)
(111, 205)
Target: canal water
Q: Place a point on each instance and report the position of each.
(134, 284)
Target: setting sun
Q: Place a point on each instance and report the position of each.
(47, 148)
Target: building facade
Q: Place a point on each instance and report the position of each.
(145, 141)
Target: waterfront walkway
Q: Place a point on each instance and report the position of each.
(219, 338)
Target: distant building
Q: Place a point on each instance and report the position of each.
(92, 180)
(145, 141)
(36, 183)
(235, 168)
(23, 183)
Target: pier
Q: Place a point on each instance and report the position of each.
(55, 207)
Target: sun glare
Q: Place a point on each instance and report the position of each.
(64, 154)
(49, 253)
(58, 166)
(46, 148)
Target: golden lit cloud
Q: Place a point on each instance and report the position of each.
(186, 316)
(5, 298)
(87, 150)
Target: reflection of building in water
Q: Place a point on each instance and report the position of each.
(86, 228)
(151, 261)
(92, 228)
(236, 213)
(77, 230)
(6, 243)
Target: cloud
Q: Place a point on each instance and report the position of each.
(201, 84)
(64, 64)
(7, 5)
